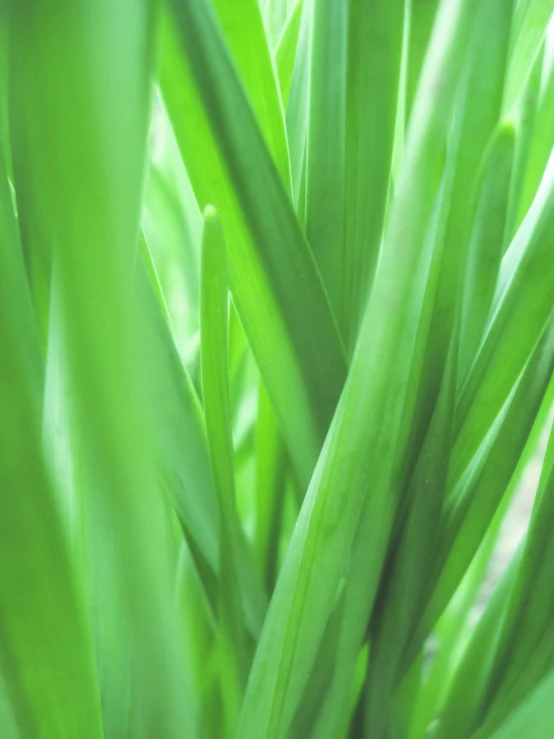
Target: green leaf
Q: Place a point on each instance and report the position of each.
(271, 472)
(285, 53)
(479, 98)
(521, 309)
(413, 560)
(214, 318)
(172, 225)
(275, 284)
(88, 95)
(276, 16)
(298, 106)
(531, 19)
(183, 459)
(533, 716)
(461, 709)
(452, 634)
(359, 436)
(47, 659)
(360, 591)
(541, 141)
(474, 499)
(514, 666)
(523, 643)
(241, 23)
(15, 296)
(371, 109)
(46, 652)
(526, 116)
(455, 626)
(325, 153)
(8, 725)
(422, 18)
(485, 246)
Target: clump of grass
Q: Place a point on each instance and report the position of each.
(277, 330)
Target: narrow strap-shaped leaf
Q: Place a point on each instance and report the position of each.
(456, 623)
(213, 327)
(472, 505)
(452, 634)
(46, 655)
(534, 716)
(242, 24)
(401, 591)
(199, 630)
(422, 17)
(530, 22)
(93, 558)
(60, 429)
(105, 599)
(535, 669)
(360, 590)
(46, 647)
(485, 245)
(463, 704)
(184, 462)
(285, 53)
(276, 16)
(15, 295)
(172, 224)
(37, 254)
(344, 475)
(271, 472)
(531, 607)
(181, 442)
(479, 100)
(298, 106)
(325, 156)
(89, 96)
(273, 278)
(521, 309)
(541, 142)
(310, 719)
(526, 115)
(371, 108)
(8, 723)
(5, 147)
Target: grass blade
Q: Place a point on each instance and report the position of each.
(46, 647)
(371, 107)
(458, 716)
(485, 246)
(533, 716)
(471, 505)
(241, 23)
(302, 602)
(285, 53)
(422, 17)
(519, 314)
(183, 459)
(478, 115)
(271, 474)
(271, 269)
(325, 154)
(401, 590)
(525, 113)
(298, 107)
(214, 318)
(541, 142)
(89, 97)
(530, 22)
